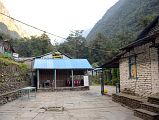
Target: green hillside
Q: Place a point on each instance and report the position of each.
(120, 25)
(126, 18)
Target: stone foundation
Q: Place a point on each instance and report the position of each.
(81, 88)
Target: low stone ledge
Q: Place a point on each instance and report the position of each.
(80, 88)
(9, 96)
(154, 99)
(133, 102)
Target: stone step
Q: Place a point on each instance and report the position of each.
(154, 100)
(133, 102)
(150, 107)
(146, 115)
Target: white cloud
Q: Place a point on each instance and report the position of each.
(59, 16)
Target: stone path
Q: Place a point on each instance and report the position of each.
(78, 105)
(110, 89)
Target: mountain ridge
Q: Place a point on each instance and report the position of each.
(124, 16)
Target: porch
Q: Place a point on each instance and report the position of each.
(61, 73)
(55, 79)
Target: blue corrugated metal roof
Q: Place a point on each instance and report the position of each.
(62, 64)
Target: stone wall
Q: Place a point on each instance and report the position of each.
(155, 68)
(12, 79)
(147, 81)
(143, 84)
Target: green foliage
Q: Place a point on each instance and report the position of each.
(23, 67)
(107, 76)
(94, 65)
(95, 80)
(111, 76)
(7, 60)
(4, 60)
(75, 45)
(100, 49)
(34, 46)
(115, 76)
(145, 20)
(122, 39)
(118, 27)
(123, 22)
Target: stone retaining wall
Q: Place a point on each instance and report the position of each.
(12, 78)
(10, 96)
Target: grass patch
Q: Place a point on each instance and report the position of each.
(9, 61)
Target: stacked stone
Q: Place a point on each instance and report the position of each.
(147, 81)
(127, 100)
(12, 78)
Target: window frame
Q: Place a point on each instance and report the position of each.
(131, 64)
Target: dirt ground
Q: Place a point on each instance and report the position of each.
(77, 105)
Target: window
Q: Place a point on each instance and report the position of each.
(132, 67)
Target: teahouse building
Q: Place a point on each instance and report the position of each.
(57, 70)
(139, 63)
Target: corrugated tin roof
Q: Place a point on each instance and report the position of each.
(61, 64)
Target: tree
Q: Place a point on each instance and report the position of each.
(100, 49)
(145, 20)
(33, 46)
(75, 45)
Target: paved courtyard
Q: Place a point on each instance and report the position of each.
(78, 105)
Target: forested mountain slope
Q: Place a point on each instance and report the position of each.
(125, 19)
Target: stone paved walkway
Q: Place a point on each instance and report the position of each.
(110, 89)
(78, 105)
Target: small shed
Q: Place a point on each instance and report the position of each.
(55, 73)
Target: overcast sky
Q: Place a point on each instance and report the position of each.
(58, 16)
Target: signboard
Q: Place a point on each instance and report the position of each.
(16, 55)
(86, 81)
(57, 55)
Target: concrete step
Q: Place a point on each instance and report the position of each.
(146, 115)
(154, 99)
(150, 107)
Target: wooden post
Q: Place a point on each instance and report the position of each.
(32, 79)
(37, 79)
(102, 82)
(55, 77)
(72, 79)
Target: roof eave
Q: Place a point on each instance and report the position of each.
(64, 68)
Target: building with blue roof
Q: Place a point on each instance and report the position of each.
(57, 70)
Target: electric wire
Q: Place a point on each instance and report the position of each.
(32, 26)
(51, 33)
